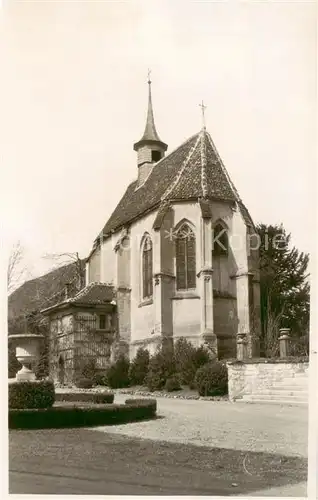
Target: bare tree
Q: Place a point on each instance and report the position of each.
(62, 259)
(15, 270)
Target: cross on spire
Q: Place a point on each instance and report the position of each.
(149, 73)
(203, 108)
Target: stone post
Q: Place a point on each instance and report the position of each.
(284, 340)
(205, 276)
(241, 346)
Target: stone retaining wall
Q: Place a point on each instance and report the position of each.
(251, 377)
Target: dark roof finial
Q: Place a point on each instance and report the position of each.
(150, 133)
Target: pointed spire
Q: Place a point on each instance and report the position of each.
(150, 133)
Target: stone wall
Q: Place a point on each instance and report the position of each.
(250, 378)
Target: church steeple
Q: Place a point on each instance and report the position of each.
(150, 148)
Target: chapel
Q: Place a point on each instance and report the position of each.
(173, 260)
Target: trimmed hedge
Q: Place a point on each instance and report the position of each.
(141, 401)
(89, 397)
(35, 394)
(76, 416)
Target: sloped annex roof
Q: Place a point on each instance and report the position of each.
(192, 171)
(43, 291)
(92, 295)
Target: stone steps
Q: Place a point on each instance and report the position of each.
(290, 390)
(256, 399)
(284, 392)
(278, 397)
(302, 381)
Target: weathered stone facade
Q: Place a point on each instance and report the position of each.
(253, 377)
(81, 329)
(215, 311)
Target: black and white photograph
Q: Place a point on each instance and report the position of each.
(159, 195)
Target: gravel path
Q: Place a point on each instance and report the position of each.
(246, 427)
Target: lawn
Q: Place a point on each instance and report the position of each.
(83, 461)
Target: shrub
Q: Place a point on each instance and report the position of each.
(161, 367)
(68, 416)
(117, 374)
(101, 378)
(88, 369)
(84, 383)
(211, 379)
(89, 397)
(37, 394)
(188, 360)
(13, 364)
(172, 384)
(139, 367)
(41, 368)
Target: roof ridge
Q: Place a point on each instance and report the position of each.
(204, 182)
(239, 201)
(235, 192)
(86, 288)
(181, 170)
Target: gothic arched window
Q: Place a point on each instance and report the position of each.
(147, 285)
(185, 258)
(220, 241)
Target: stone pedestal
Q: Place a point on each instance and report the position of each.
(241, 346)
(243, 294)
(27, 352)
(284, 342)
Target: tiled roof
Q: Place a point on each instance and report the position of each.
(92, 295)
(135, 202)
(193, 171)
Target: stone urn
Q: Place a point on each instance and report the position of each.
(27, 347)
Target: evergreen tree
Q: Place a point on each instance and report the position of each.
(284, 285)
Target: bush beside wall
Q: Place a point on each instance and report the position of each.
(117, 374)
(188, 359)
(59, 416)
(139, 367)
(161, 367)
(212, 379)
(172, 384)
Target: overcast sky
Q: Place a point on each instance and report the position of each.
(75, 96)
